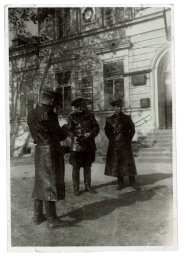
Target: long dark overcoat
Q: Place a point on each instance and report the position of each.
(120, 130)
(78, 125)
(49, 161)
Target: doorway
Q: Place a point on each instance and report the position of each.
(164, 92)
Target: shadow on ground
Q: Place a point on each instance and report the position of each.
(143, 180)
(98, 209)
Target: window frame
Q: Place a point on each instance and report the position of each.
(89, 87)
(107, 106)
(25, 93)
(62, 86)
(114, 16)
(62, 32)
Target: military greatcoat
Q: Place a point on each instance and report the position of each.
(49, 161)
(120, 130)
(80, 124)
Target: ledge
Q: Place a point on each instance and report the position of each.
(115, 47)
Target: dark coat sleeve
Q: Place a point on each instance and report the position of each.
(108, 129)
(95, 130)
(70, 127)
(54, 129)
(131, 128)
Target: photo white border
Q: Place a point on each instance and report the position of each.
(178, 77)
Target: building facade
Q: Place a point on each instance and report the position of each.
(97, 53)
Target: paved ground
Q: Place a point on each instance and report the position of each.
(108, 218)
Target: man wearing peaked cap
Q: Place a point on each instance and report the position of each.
(78, 102)
(83, 128)
(53, 94)
(120, 130)
(49, 161)
(117, 102)
(51, 91)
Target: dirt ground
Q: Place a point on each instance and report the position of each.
(108, 218)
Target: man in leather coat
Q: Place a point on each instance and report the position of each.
(49, 161)
(120, 130)
(83, 128)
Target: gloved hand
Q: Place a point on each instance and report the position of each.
(80, 139)
(86, 135)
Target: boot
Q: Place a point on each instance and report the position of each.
(120, 183)
(52, 218)
(76, 180)
(38, 216)
(87, 180)
(133, 183)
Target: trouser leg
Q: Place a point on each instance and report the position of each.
(38, 216)
(76, 180)
(87, 179)
(133, 183)
(51, 214)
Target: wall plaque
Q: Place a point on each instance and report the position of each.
(139, 79)
(145, 103)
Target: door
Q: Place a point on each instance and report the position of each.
(164, 93)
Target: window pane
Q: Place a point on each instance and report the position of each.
(87, 81)
(123, 14)
(119, 87)
(23, 105)
(31, 100)
(62, 77)
(113, 69)
(87, 90)
(64, 21)
(67, 76)
(30, 105)
(109, 16)
(58, 78)
(108, 93)
(28, 80)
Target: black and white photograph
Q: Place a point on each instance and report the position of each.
(92, 144)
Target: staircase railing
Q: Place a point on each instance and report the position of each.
(144, 120)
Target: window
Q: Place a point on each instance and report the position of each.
(109, 16)
(23, 105)
(27, 97)
(63, 79)
(117, 15)
(87, 90)
(123, 14)
(113, 82)
(26, 104)
(64, 22)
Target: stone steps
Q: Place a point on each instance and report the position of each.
(154, 159)
(155, 148)
(155, 154)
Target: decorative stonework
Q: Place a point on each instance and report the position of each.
(88, 15)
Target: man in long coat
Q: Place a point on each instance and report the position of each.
(83, 128)
(120, 130)
(49, 161)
